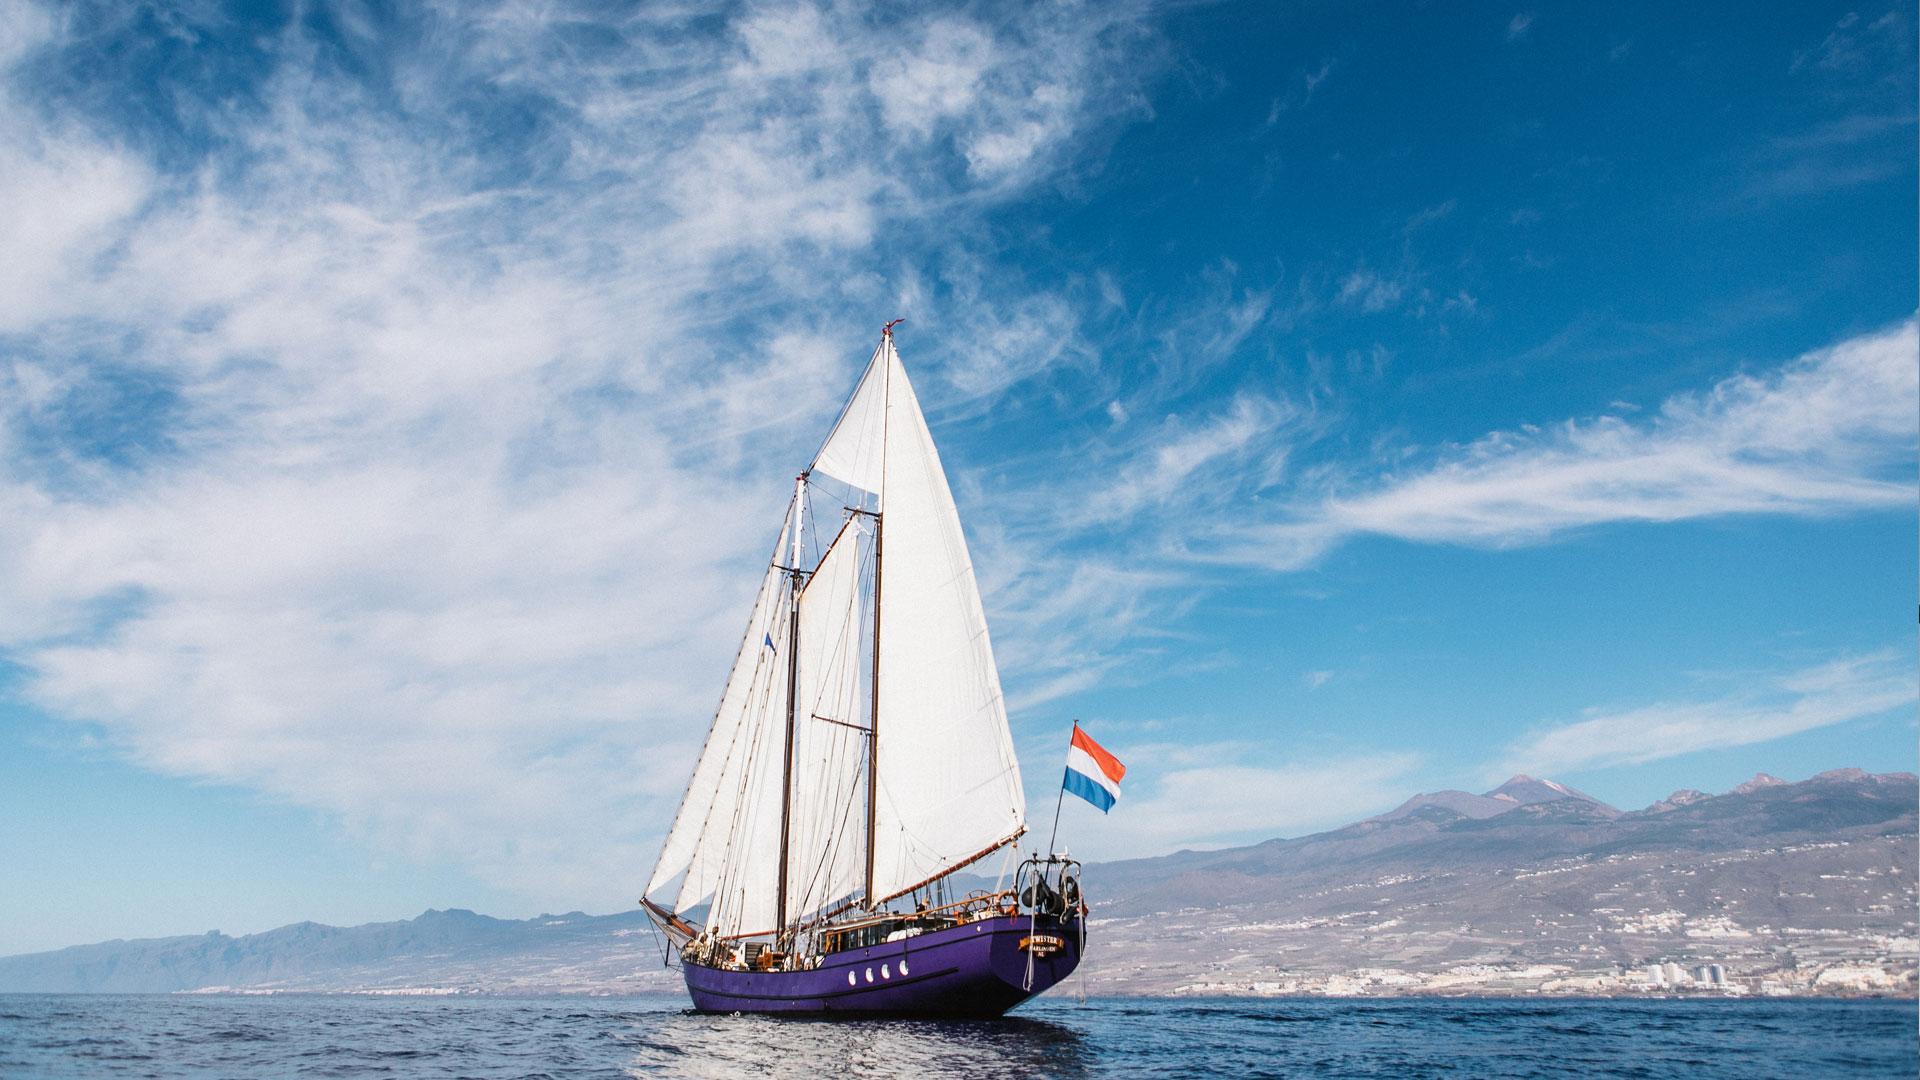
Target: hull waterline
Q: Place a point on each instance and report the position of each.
(974, 969)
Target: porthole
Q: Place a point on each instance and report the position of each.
(852, 979)
(903, 967)
(869, 974)
(884, 973)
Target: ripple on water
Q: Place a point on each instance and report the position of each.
(53, 1038)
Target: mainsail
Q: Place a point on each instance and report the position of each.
(948, 787)
(892, 765)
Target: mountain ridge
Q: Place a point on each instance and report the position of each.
(1448, 867)
(1521, 790)
(1465, 840)
(1785, 888)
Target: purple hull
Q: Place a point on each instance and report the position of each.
(975, 969)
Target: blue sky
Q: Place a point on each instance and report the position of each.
(1343, 401)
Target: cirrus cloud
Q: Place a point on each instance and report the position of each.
(1831, 432)
(1849, 688)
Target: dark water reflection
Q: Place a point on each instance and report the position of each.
(567, 1038)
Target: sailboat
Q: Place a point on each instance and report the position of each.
(860, 759)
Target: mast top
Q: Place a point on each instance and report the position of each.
(887, 330)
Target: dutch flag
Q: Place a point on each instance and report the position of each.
(1092, 773)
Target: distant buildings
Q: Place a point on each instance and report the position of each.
(1665, 977)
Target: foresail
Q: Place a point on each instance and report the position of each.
(949, 784)
(827, 835)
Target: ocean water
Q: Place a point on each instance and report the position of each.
(565, 1038)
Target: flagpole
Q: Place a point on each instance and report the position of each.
(1057, 800)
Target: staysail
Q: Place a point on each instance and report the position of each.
(901, 767)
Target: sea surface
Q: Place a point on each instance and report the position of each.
(578, 1037)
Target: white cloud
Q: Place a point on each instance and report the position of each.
(789, 40)
(1313, 79)
(1059, 618)
(1086, 567)
(1176, 458)
(1832, 432)
(936, 81)
(64, 193)
(1009, 96)
(1218, 794)
(1816, 697)
(995, 153)
(28, 26)
(1369, 291)
(1299, 99)
(1000, 345)
(454, 482)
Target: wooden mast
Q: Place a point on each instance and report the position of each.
(793, 690)
(873, 720)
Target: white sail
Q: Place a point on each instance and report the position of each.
(949, 784)
(853, 452)
(826, 860)
(727, 836)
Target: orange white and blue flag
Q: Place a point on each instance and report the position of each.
(1092, 773)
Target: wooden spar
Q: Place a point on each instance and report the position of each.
(668, 919)
(842, 723)
(786, 765)
(963, 863)
(873, 721)
(793, 691)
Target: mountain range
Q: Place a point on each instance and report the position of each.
(1769, 877)
(1770, 880)
(1522, 822)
